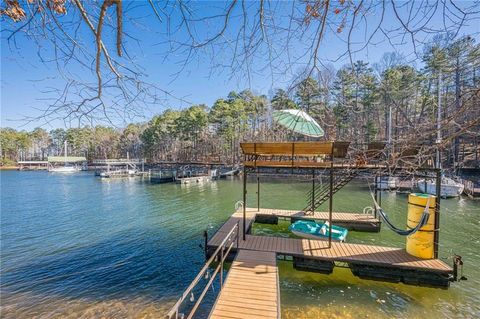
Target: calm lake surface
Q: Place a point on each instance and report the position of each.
(76, 246)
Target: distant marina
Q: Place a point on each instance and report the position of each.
(204, 172)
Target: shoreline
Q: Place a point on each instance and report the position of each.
(9, 168)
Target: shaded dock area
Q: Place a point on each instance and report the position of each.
(251, 289)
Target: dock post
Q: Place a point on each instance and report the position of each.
(244, 202)
(380, 191)
(221, 268)
(376, 193)
(313, 190)
(330, 205)
(205, 247)
(238, 234)
(437, 213)
(258, 191)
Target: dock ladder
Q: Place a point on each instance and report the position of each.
(322, 193)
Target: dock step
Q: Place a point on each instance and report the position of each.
(251, 289)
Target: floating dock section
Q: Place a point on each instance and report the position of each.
(251, 289)
(351, 221)
(365, 261)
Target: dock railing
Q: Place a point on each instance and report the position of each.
(220, 254)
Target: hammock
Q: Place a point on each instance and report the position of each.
(423, 219)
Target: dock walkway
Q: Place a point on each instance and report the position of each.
(251, 289)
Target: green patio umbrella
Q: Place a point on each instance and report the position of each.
(299, 122)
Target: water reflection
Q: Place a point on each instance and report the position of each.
(79, 247)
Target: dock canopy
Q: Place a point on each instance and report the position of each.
(292, 154)
(67, 159)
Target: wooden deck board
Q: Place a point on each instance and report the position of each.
(251, 289)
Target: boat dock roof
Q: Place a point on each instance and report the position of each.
(68, 159)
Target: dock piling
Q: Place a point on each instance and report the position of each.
(244, 201)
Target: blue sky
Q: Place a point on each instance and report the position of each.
(24, 80)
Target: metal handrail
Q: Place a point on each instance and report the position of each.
(238, 205)
(230, 239)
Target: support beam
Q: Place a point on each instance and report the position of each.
(330, 206)
(380, 192)
(377, 180)
(244, 202)
(437, 213)
(258, 192)
(313, 190)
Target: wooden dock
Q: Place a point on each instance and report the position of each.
(339, 252)
(251, 289)
(365, 261)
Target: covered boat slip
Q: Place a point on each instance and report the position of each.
(365, 261)
(251, 292)
(309, 157)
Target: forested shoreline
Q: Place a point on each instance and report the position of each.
(353, 103)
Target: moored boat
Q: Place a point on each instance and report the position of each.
(386, 182)
(311, 230)
(448, 187)
(64, 169)
(69, 163)
(118, 173)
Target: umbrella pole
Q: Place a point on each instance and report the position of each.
(244, 201)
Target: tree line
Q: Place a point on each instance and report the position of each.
(355, 103)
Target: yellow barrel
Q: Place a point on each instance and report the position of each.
(420, 244)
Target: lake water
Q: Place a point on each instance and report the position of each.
(76, 246)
